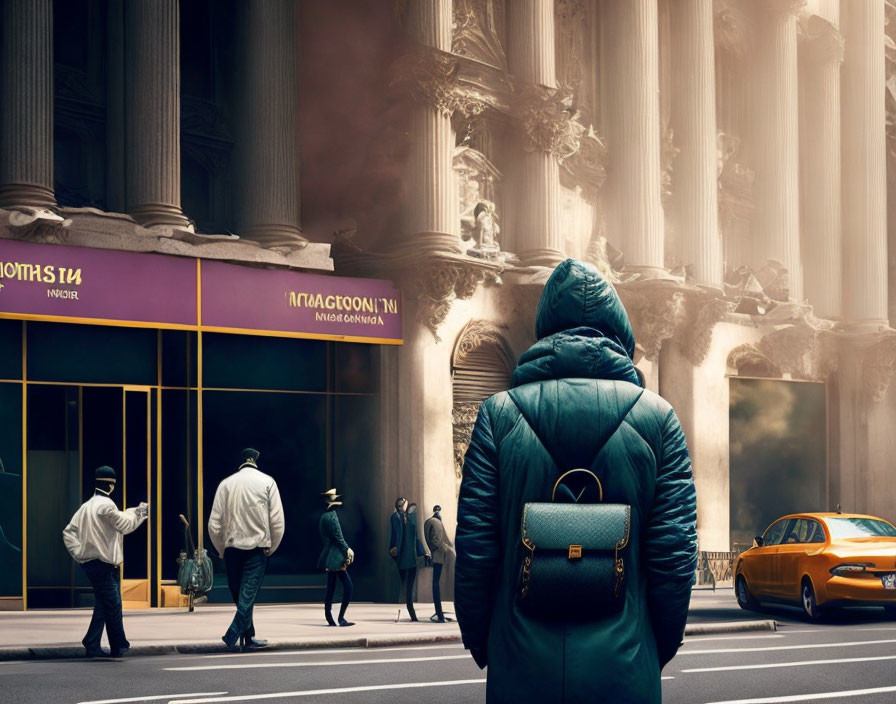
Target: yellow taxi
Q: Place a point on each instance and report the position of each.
(819, 561)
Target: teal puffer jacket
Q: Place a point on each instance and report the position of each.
(583, 407)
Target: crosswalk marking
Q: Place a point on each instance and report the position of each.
(323, 651)
(801, 663)
(810, 697)
(319, 692)
(326, 663)
(784, 647)
(151, 698)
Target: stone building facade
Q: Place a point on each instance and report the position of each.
(724, 161)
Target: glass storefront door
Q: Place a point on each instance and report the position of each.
(71, 430)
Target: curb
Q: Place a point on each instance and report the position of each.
(705, 629)
(375, 641)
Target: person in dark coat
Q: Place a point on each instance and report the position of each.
(335, 558)
(440, 546)
(576, 402)
(405, 548)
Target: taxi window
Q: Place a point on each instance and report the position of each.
(813, 533)
(775, 532)
(860, 528)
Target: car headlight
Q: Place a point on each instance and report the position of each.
(850, 568)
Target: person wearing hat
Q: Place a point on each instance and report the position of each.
(246, 526)
(93, 538)
(335, 558)
(440, 546)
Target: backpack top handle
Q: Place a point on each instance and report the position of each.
(563, 476)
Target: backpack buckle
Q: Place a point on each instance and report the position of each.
(575, 552)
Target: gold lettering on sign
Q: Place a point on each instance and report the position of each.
(376, 305)
(40, 273)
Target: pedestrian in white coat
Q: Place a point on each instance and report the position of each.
(246, 527)
(93, 538)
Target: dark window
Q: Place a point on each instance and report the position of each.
(256, 362)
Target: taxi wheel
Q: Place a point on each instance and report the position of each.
(810, 605)
(744, 599)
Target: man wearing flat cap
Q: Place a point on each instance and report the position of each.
(246, 527)
(93, 538)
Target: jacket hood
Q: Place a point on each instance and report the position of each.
(581, 353)
(577, 296)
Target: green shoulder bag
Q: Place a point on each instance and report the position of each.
(574, 556)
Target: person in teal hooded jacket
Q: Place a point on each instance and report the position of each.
(576, 401)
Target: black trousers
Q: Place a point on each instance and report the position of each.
(245, 572)
(106, 607)
(408, 577)
(347, 589)
(436, 589)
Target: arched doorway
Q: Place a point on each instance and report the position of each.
(481, 365)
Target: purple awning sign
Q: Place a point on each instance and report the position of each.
(81, 284)
(290, 303)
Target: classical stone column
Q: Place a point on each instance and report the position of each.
(820, 54)
(26, 103)
(536, 236)
(265, 151)
(864, 162)
(631, 121)
(152, 104)
(431, 220)
(775, 140)
(694, 127)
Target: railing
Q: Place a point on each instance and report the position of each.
(715, 567)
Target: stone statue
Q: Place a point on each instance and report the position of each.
(485, 231)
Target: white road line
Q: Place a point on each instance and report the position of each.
(327, 663)
(810, 697)
(152, 698)
(323, 651)
(668, 677)
(784, 647)
(318, 692)
(802, 630)
(788, 664)
(700, 639)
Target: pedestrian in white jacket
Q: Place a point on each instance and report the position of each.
(246, 526)
(93, 538)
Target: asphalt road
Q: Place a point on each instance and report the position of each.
(849, 659)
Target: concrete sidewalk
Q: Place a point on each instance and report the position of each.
(57, 633)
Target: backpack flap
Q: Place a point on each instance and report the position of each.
(574, 566)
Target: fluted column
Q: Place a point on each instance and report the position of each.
(152, 102)
(821, 236)
(431, 220)
(631, 120)
(695, 191)
(775, 140)
(267, 191)
(864, 161)
(535, 236)
(26, 103)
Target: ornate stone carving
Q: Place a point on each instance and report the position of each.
(657, 310)
(432, 77)
(39, 225)
(463, 417)
(747, 359)
(696, 336)
(736, 204)
(588, 166)
(878, 366)
(475, 32)
(820, 39)
(475, 334)
(548, 121)
(477, 178)
(571, 23)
